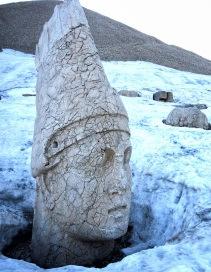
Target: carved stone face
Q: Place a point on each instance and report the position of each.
(81, 147)
(90, 187)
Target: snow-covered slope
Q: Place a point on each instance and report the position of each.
(171, 205)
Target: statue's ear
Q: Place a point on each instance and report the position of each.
(38, 159)
(127, 154)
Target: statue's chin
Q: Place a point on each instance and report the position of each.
(106, 233)
(115, 232)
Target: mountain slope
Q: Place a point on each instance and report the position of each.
(21, 24)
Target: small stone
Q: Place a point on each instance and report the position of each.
(163, 96)
(129, 93)
(198, 106)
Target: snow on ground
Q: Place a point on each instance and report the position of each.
(171, 205)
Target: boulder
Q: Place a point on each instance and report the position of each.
(187, 117)
(163, 96)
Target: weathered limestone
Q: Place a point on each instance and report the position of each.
(187, 117)
(81, 149)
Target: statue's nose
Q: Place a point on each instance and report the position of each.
(118, 181)
(118, 186)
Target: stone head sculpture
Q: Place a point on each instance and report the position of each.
(81, 149)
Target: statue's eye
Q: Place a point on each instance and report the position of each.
(107, 155)
(127, 154)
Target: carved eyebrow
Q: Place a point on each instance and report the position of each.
(62, 144)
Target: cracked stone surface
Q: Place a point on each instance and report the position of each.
(81, 149)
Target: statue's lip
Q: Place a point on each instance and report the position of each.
(117, 209)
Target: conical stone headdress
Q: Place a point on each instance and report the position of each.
(74, 98)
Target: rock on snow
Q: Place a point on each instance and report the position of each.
(187, 117)
(171, 204)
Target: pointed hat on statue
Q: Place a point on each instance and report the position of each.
(74, 99)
